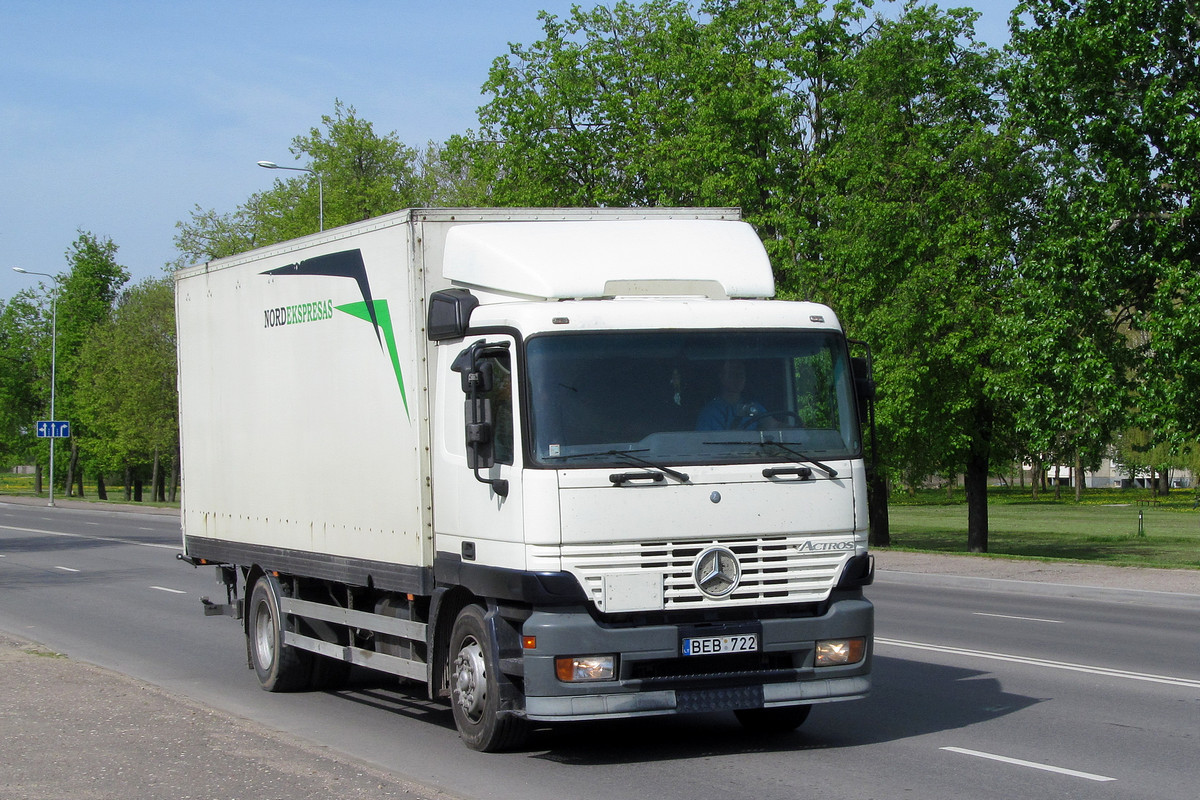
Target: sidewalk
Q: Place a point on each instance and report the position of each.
(71, 729)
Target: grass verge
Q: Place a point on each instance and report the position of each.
(1117, 527)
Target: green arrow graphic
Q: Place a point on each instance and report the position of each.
(382, 320)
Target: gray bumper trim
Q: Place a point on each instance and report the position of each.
(641, 704)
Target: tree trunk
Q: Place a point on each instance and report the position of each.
(977, 510)
(37, 479)
(128, 483)
(1078, 477)
(976, 478)
(877, 509)
(1033, 477)
(154, 478)
(137, 490)
(72, 466)
(101, 489)
(174, 473)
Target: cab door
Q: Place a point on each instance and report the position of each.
(478, 514)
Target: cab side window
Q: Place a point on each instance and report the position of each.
(502, 408)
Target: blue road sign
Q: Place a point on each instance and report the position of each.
(53, 429)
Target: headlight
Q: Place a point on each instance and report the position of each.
(572, 669)
(833, 652)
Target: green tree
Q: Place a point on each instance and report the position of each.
(577, 118)
(87, 293)
(871, 160)
(23, 328)
(918, 195)
(127, 390)
(363, 173)
(657, 105)
(41, 336)
(1107, 95)
(210, 234)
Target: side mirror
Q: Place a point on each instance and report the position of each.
(480, 434)
(449, 314)
(478, 378)
(864, 381)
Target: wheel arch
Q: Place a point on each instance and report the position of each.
(445, 607)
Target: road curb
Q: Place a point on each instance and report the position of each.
(88, 505)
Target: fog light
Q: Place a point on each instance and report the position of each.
(833, 652)
(572, 669)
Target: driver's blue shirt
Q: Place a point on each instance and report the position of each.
(719, 414)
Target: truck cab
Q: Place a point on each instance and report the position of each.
(657, 484)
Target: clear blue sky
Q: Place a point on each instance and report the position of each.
(119, 116)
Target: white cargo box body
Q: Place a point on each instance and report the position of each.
(299, 412)
(305, 403)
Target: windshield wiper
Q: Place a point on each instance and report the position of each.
(682, 477)
(628, 455)
(795, 454)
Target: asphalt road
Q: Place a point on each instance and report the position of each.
(982, 689)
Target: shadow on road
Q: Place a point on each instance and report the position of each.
(910, 698)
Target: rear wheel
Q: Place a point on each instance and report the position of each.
(782, 719)
(475, 687)
(280, 667)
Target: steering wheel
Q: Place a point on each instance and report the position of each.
(755, 423)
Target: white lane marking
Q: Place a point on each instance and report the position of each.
(165, 589)
(1031, 764)
(93, 538)
(1041, 662)
(1022, 619)
(67, 569)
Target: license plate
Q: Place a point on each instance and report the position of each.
(719, 645)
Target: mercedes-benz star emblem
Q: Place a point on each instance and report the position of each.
(717, 572)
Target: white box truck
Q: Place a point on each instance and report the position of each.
(553, 464)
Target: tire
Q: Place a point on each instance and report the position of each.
(782, 719)
(280, 668)
(475, 687)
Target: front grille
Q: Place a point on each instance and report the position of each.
(704, 701)
(774, 569)
(745, 668)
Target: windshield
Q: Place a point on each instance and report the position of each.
(690, 397)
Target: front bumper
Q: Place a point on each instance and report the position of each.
(654, 679)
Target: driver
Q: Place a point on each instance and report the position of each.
(728, 411)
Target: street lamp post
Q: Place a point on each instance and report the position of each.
(320, 187)
(53, 363)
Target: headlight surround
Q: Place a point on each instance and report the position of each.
(840, 652)
(575, 669)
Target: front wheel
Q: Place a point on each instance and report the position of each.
(475, 688)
